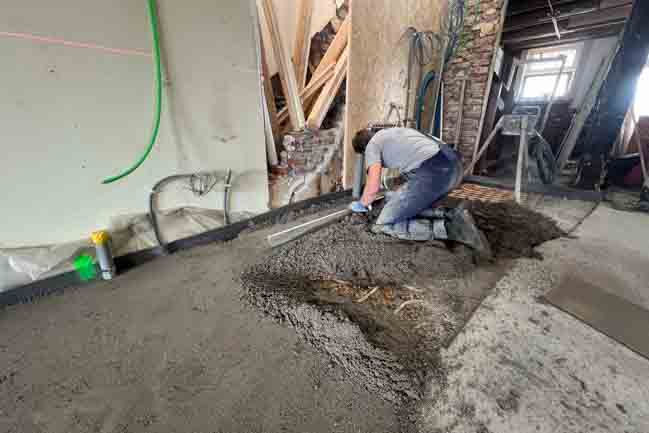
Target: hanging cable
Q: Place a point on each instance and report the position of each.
(421, 53)
(200, 184)
(454, 27)
(158, 96)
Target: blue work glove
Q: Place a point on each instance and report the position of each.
(358, 207)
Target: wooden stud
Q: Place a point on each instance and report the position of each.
(335, 49)
(286, 70)
(326, 98)
(309, 93)
(271, 147)
(302, 46)
(268, 90)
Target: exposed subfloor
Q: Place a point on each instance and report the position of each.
(521, 365)
(174, 346)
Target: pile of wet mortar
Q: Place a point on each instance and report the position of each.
(383, 308)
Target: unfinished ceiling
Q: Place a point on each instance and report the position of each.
(531, 24)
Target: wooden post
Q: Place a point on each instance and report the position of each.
(302, 45)
(268, 90)
(271, 147)
(286, 69)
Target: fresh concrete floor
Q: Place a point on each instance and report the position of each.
(521, 365)
(170, 347)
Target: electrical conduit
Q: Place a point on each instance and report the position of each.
(158, 97)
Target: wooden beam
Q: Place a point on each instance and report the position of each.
(526, 6)
(542, 16)
(271, 147)
(302, 46)
(582, 8)
(615, 15)
(269, 95)
(286, 70)
(326, 98)
(551, 41)
(606, 4)
(567, 28)
(336, 48)
(310, 92)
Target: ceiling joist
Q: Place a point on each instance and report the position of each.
(577, 22)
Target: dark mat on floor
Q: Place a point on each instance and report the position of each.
(611, 315)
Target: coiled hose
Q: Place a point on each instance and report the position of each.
(153, 15)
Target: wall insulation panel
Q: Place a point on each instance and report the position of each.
(73, 115)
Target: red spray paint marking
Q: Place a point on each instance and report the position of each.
(72, 44)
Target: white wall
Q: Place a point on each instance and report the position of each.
(593, 53)
(72, 116)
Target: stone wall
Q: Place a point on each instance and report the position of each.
(311, 164)
(472, 60)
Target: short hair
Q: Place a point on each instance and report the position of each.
(362, 138)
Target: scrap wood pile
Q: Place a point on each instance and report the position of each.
(309, 96)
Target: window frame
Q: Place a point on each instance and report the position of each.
(570, 71)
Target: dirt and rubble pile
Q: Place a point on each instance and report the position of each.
(513, 230)
(346, 291)
(384, 308)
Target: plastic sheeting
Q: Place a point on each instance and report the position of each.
(19, 266)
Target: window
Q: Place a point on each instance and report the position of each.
(543, 68)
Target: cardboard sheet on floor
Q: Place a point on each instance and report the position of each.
(609, 314)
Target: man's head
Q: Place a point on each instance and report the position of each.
(362, 138)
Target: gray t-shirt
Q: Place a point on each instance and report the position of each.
(401, 148)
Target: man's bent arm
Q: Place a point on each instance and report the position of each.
(373, 184)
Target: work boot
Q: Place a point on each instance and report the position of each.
(644, 200)
(434, 213)
(418, 230)
(462, 228)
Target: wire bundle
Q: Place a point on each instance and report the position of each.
(454, 27)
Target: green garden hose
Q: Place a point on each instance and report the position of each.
(158, 101)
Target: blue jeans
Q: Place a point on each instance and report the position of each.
(425, 186)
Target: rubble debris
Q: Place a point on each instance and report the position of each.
(384, 308)
(513, 230)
